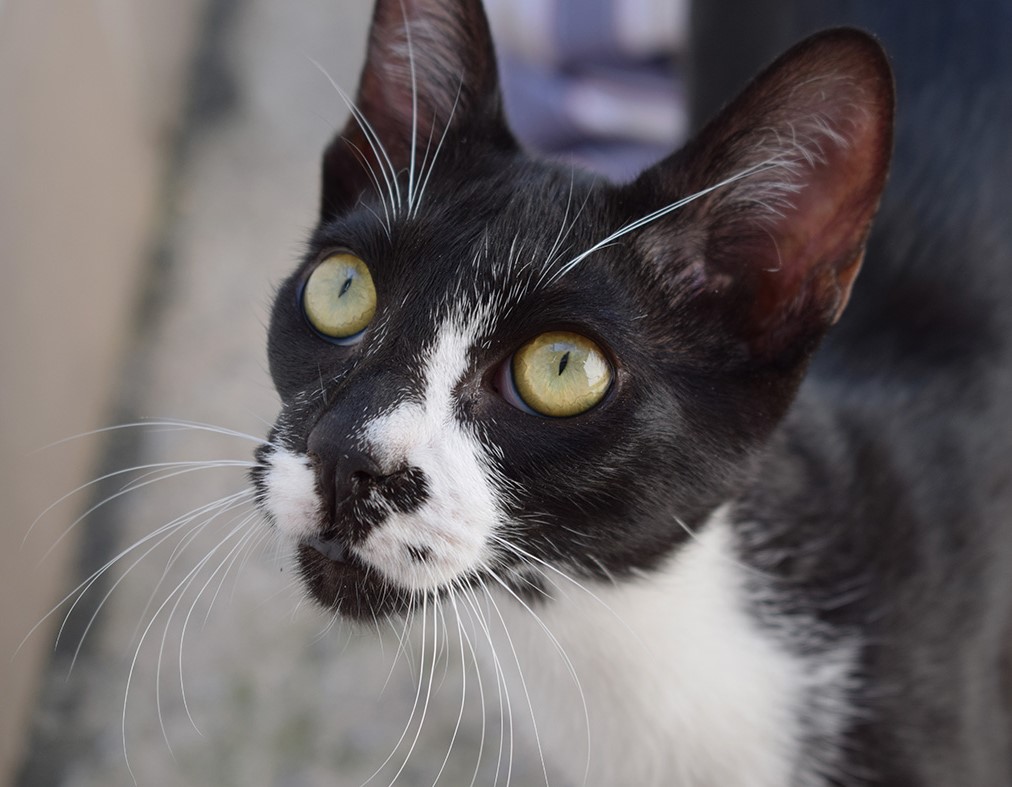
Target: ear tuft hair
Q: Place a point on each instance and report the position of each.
(430, 72)
(803, 153)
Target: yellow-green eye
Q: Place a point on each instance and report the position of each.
(561, 373)
(339, 297)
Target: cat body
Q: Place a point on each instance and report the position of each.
(895, 457)
(711, 569)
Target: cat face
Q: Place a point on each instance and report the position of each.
(493, 368)
(411, 451)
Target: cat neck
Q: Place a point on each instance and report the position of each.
(673, 668)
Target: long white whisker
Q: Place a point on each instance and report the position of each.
(428, 691)
(84, 585)
(155, 466)
(439, 147)
(264, 534)
(91, 621)
(463, 690)
(133, 663)
(523, 680)
(530, 559)
(393, 187)
(565, 657)
(414, 705)
(187, 468)
(424, 163)
(481, 688)
(408, 619)
(385, 221)
(229, 559)
(170, 423)
(657, 214)
(414, 108)
(161, 652)
(565, 218)
(238, 499)
(505, 704)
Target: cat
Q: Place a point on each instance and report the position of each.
(730, 552)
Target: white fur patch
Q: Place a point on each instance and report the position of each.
(455, 523)
(291, 497)
(683, 688)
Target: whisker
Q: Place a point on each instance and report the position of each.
(505, 704)
(154, 466)
(228, 559)
(237, 499)
(408, 619)
(762, 166)
(428, 690)
(414, 108)
(439, 145)
(481, 690)
(83, 586)
(463, 694)
(565, 217)
(393, 187)
(168, 423)
(196, 529)
(253, 537)
(187, 467)
(520, 672)
(385, 221)
(530, 559)
(180, 587)
(414, 706)
(264, 536)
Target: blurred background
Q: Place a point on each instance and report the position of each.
(158, 172)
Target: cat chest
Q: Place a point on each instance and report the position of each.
(663, 681)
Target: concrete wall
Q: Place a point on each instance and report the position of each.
(90, 92)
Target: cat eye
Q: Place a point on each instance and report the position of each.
(339, 298)
(560, 374)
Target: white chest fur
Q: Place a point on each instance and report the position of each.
(682, 687)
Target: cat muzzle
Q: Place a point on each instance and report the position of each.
(331, 548)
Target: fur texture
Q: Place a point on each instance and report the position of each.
(782, 583)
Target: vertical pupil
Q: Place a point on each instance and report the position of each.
(563, 363)
(345, 287)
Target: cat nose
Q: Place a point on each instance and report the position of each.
(354, 473)
(347, 479)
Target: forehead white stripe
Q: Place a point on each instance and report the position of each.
(462, 512)
(391, 435)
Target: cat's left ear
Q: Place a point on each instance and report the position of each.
(430, 75)
(788, 179)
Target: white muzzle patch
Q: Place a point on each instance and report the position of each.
(447, 537)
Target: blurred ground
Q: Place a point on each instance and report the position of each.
(280, 696)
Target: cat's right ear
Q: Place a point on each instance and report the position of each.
(779, 191)
(430, 80)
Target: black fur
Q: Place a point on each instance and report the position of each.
(878, 499)
(885, 502)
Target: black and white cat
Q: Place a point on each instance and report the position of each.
(509, 382)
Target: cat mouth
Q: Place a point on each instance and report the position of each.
(340, 581)
(332, 549)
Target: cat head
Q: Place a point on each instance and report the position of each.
(494, 367)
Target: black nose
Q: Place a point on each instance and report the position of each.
(358, 492)
(350, 481)
(355, 473)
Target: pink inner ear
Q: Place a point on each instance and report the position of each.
(428, 61)
(430, 69)
(817, 238)
(817, 125)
